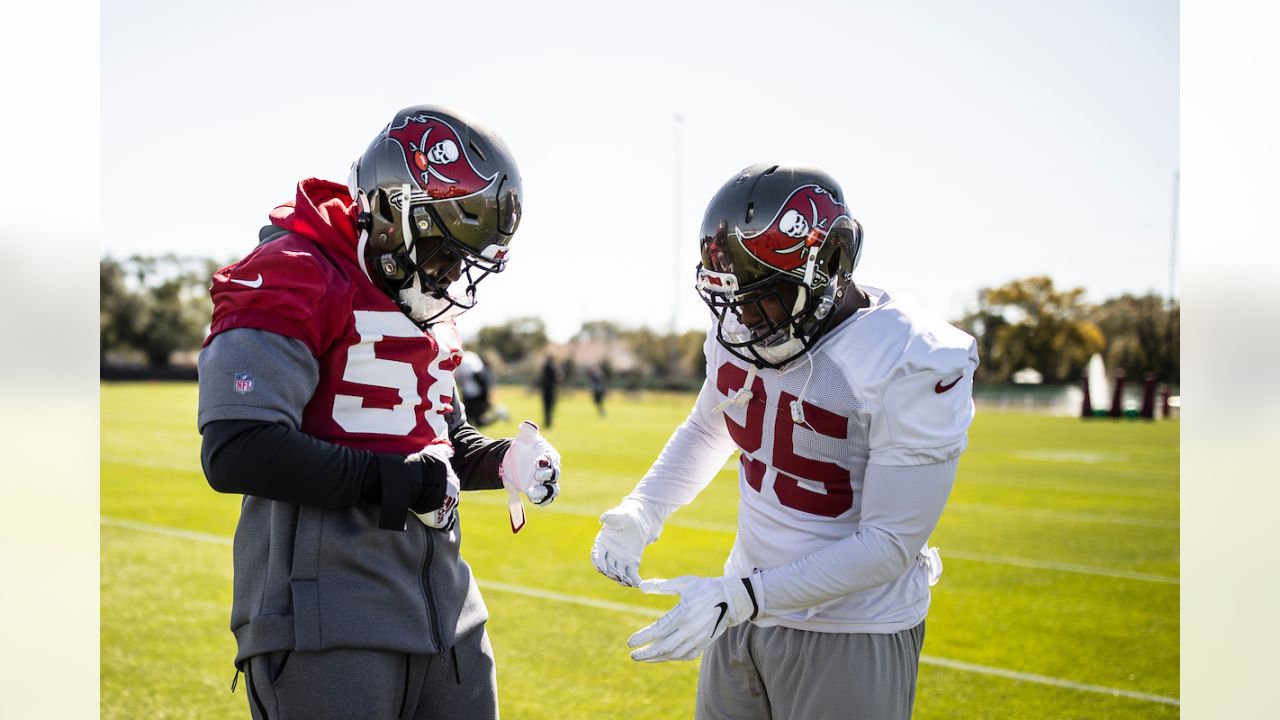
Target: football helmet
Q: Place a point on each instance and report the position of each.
(439, 200)
(778, 252)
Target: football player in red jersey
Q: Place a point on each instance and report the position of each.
(327, 399)
(849, 406)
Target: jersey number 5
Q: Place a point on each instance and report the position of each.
(838, 496)
(366, 368)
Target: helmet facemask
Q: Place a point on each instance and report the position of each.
(435, 278)
(768, 323)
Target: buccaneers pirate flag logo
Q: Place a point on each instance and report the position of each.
(798, 230)
(437, 158)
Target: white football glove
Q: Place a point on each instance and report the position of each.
(443, 517)
(530, 467)
(620, 543)
(707, 607)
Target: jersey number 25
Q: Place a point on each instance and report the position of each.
(838, 496)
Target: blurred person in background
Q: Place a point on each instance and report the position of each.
(548, 381)
(596, 380)
(475, 383)
(850, 406)
(327, 399)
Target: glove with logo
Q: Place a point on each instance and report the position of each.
(707, 607)
(530, 467)
(443, 517)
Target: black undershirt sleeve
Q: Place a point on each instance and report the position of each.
(276, 462)
(476, 458)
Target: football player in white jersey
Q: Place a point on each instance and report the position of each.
(850, 406)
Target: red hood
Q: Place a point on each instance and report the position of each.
(322, 212)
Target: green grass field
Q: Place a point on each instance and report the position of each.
(1059, 600)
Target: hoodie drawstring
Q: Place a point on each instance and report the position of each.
(797, 405)
(743, 395)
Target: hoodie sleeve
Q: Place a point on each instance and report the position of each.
(284, 286)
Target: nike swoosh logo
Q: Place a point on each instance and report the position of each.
(724, 608)
(940, 388)
(255, 283)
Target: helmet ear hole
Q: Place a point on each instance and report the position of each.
(467, 216)
(835, 263)
(508, 209)
(751, 211)
(382, 206)
(857, 246)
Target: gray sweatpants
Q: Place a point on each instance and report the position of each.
(376, 684)
(778, 673)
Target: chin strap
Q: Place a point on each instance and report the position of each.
(741, 396)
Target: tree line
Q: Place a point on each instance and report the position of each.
(1028, 323)
(153, 307)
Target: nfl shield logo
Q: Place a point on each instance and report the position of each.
(243, 382)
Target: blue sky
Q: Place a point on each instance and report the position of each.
(976, 142)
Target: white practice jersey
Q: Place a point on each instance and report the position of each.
(891, 386)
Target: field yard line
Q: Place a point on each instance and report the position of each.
(695, 525)
(949, 552)
(164, 530)
(1064, 567)
(1153, 493)
(648, 612)
(583, 511)
(182, 467)
(566, 598)
(958, 665)
(1061, 515)
(1047, 680)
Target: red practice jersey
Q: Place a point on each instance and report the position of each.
(385, 384)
